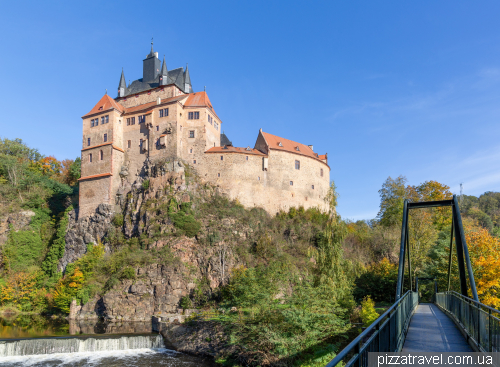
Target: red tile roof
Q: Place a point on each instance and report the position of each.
(198, 99)
(230, 149)
(277, 143)
(106, 103)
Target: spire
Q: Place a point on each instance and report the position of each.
(122, 81)
(164, 73)
(187, 81)
(152, 53)
(122, 86)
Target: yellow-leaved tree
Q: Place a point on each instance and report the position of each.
(484, 252)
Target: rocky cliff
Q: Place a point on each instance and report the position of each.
(149, 211)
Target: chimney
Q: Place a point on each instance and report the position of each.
(310, 146)
(158, 101)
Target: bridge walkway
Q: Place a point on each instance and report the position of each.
(432, 331)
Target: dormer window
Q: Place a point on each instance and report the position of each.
(248, 148)
(297, 148)
(100, 108)
(279, 144)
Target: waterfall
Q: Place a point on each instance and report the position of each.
(24, 347)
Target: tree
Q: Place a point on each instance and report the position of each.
(484, 250)
(392, 196)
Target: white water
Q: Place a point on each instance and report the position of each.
(131, 357)
(28, 347)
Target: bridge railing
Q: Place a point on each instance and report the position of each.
(386, 334)
(481, 323)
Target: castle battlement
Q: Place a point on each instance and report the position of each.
(160, 117)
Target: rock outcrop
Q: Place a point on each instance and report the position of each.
(83, 231)
(14, 221)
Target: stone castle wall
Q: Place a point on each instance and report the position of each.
(243, 177)
(149, 96)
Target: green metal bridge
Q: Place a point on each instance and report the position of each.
(453, 322)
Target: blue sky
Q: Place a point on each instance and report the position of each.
(387, 88)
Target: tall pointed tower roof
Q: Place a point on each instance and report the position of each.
(152, 53)
(122, 84)
(164, 67)
(187, 79)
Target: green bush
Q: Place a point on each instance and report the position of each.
(368, 312)
(145, 184)
(118, 220)
(185, 303)
(128, 273)
(186, 223)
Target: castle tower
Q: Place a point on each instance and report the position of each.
(151, 66)
(122, 86)
(164, 73)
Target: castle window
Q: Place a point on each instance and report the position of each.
(258, 178)
(194, 161)
(142, 119)
(247, 158)
(216, 125)
(101, 155)
(161, 113)
(221, 157)
(191, 150)
(191, 133)
(312, 187)
(90, 157)
(157, 127)
(306, 198)
(164, 112)
(140, 143)
(129, 144)
(128, 122)
(106, 119)
(88, 142)
(321, 172)
(105, 137)
(132, 121)
(218, 174)
(102, 120)
(193, 115)
(297, 164)
(291, 183)
(210, 119)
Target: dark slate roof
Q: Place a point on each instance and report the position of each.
(224, 140)
(175, 76)
(122, 81)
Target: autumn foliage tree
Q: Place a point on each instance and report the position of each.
(484, 250)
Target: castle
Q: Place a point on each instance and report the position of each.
(160, 117)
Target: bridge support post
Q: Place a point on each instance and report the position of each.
(451, 253)
(463, 251)
(401, 269)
